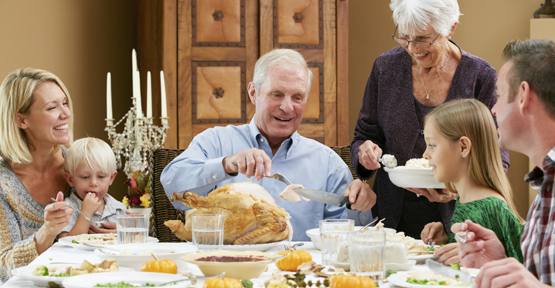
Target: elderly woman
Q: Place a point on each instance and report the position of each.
(405, 84)
(35, 110)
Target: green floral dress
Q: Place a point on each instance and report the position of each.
(494, 214)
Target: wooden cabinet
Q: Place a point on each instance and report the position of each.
(208, 49)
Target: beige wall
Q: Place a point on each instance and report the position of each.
(79, 41)
(484, 29)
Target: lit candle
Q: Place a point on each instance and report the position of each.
(108, 97)
(163, 87)
(137, 93)
(148, 96)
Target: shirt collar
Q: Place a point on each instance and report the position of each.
(256, 136)
(535, 177)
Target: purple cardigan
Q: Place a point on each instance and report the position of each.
(388, 117)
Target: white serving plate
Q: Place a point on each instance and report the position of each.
(413, 177)
(253, 247)
(67, 241)
(400, 279)
(137, 278)
(42, 281)
(163, 251)
(314, 234)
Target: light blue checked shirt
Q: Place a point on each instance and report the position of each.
(303, 161)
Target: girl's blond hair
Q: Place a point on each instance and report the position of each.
(471, 118)
(16, 96)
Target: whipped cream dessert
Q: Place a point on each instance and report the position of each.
(417, 163)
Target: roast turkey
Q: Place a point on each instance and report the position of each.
(252, 216)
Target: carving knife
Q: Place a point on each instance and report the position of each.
(324, 197)
(449, 272)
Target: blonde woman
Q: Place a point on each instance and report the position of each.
(37, 124)
(462, 148)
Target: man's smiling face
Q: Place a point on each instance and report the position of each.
(280, 102)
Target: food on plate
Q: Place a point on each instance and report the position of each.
(417, 163)
(123, 284)
(432, 278)
(104, 239)
(412, 244)
(251, 258)
(108, 265)
(277, 281)
(252, 215)
(292, 261)
(290, 195)
(351, 281)
(160, 266)
(222, 282)
(309, 267)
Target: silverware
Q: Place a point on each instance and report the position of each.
(448, 271)
(95, 223)
(276, 176)
(365, 226)
(194, 279)
(324, 197)
(461, 236)
(423, 252)
(388, 161)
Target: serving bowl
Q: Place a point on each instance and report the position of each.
(163, 251)
(237, 270)
(413, 177)
(314, 234)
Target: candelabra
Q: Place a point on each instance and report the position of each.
(138, 139)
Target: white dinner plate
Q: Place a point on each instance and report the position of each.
(136, 278)
(421, 257)
(253, 247)
(68, 241)
(400, 279)
(25, 273)
(172, 251)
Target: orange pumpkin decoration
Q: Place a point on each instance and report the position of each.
(221, 282)
(292, 261)
(160, 266)
(344, 281)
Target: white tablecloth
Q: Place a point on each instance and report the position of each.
(60, 253)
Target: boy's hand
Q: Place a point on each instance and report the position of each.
(91, 203)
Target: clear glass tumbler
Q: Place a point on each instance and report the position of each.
(208, 231)
(332, 233)
(132, 228)
(367, 253)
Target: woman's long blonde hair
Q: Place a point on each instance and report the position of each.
(471, 118)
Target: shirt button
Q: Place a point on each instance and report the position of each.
(363, 217)
(422, 132)
(261, 139)
(214, 177)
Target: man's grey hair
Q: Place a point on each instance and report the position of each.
(279, 57)
(415, 15)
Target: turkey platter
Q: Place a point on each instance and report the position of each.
(251, 214)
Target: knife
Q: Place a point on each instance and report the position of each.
(324, 197)
(449, 272)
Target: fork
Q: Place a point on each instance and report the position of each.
(95, 223)
(276, 176)
(461, 236)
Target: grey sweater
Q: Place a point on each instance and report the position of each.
(391, 117)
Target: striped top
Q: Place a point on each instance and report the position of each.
(494, 214)
(538, 243)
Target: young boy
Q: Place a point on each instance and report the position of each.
(90, 168)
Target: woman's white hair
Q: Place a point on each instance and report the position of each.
(415, 15)
(92, 151)
(279, 57)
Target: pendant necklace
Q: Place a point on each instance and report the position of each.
(439, 71)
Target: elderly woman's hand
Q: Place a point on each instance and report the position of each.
(55, 219)
(434, 195)
(368, 155)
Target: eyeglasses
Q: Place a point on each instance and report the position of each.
(416, 43)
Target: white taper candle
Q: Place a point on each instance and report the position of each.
(108, 97)
(137, 95)
(163, 87)
(148, 96)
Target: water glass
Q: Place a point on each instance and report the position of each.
(367, 253)
(332, 233)
(132, 228)
(208, 231)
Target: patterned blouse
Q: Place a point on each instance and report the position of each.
(538, 241)
(494, 214)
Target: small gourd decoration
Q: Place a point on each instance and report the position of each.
(222, 282)
(292, 261)
(160, 266)
(351, 281)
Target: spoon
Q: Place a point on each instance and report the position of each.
(194, 279)
(388, 160)
(95, 223)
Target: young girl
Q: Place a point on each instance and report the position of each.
(462, 148)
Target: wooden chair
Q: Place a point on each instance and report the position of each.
(163, 210)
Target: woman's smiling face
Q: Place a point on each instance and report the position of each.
(430, 55)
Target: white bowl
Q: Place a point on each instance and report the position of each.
(314, 234)
(172, 251)
(413, 178)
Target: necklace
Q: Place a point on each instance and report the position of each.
(439, 71)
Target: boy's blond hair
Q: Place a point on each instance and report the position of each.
(92, 151)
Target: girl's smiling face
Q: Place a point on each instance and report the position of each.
(444, 155)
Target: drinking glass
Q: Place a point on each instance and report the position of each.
(367, 253)
(132, 228)
(208, 231)
(332, 233)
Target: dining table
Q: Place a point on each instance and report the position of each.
(63, 253)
